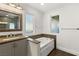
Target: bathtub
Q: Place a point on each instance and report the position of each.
(46, 45)
(40, 46)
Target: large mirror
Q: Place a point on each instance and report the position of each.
(10, 21)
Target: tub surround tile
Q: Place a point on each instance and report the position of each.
(43, 35)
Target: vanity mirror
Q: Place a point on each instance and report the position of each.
(10, 21)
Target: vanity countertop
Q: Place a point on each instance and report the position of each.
(4, 39)
(11, 39)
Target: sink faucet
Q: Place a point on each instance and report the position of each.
(10, 35)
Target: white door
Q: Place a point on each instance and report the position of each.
(7, 49)
(20, 48)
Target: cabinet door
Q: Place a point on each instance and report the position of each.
(6, 49)
(20, 48)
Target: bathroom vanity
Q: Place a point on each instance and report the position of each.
(10, 21)
(13, 46)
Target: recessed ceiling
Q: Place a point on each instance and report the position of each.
(47, 6)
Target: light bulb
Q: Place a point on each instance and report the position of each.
(11, 4)
(19, 8)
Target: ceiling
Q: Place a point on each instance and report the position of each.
(47, 6)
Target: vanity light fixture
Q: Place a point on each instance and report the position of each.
(11, 4)
(15, 5)
(19, 8)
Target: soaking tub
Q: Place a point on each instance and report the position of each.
(46, 45)
(40, 46)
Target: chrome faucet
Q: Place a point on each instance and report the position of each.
(11, 34)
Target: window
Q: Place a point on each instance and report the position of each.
(55, 24)
(29, 24)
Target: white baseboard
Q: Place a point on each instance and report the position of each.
(69, 51)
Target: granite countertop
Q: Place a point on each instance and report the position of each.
(33, 40)
(4, 39)
(11, 39)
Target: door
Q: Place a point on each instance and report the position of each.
(20, 48)
(7, 49)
